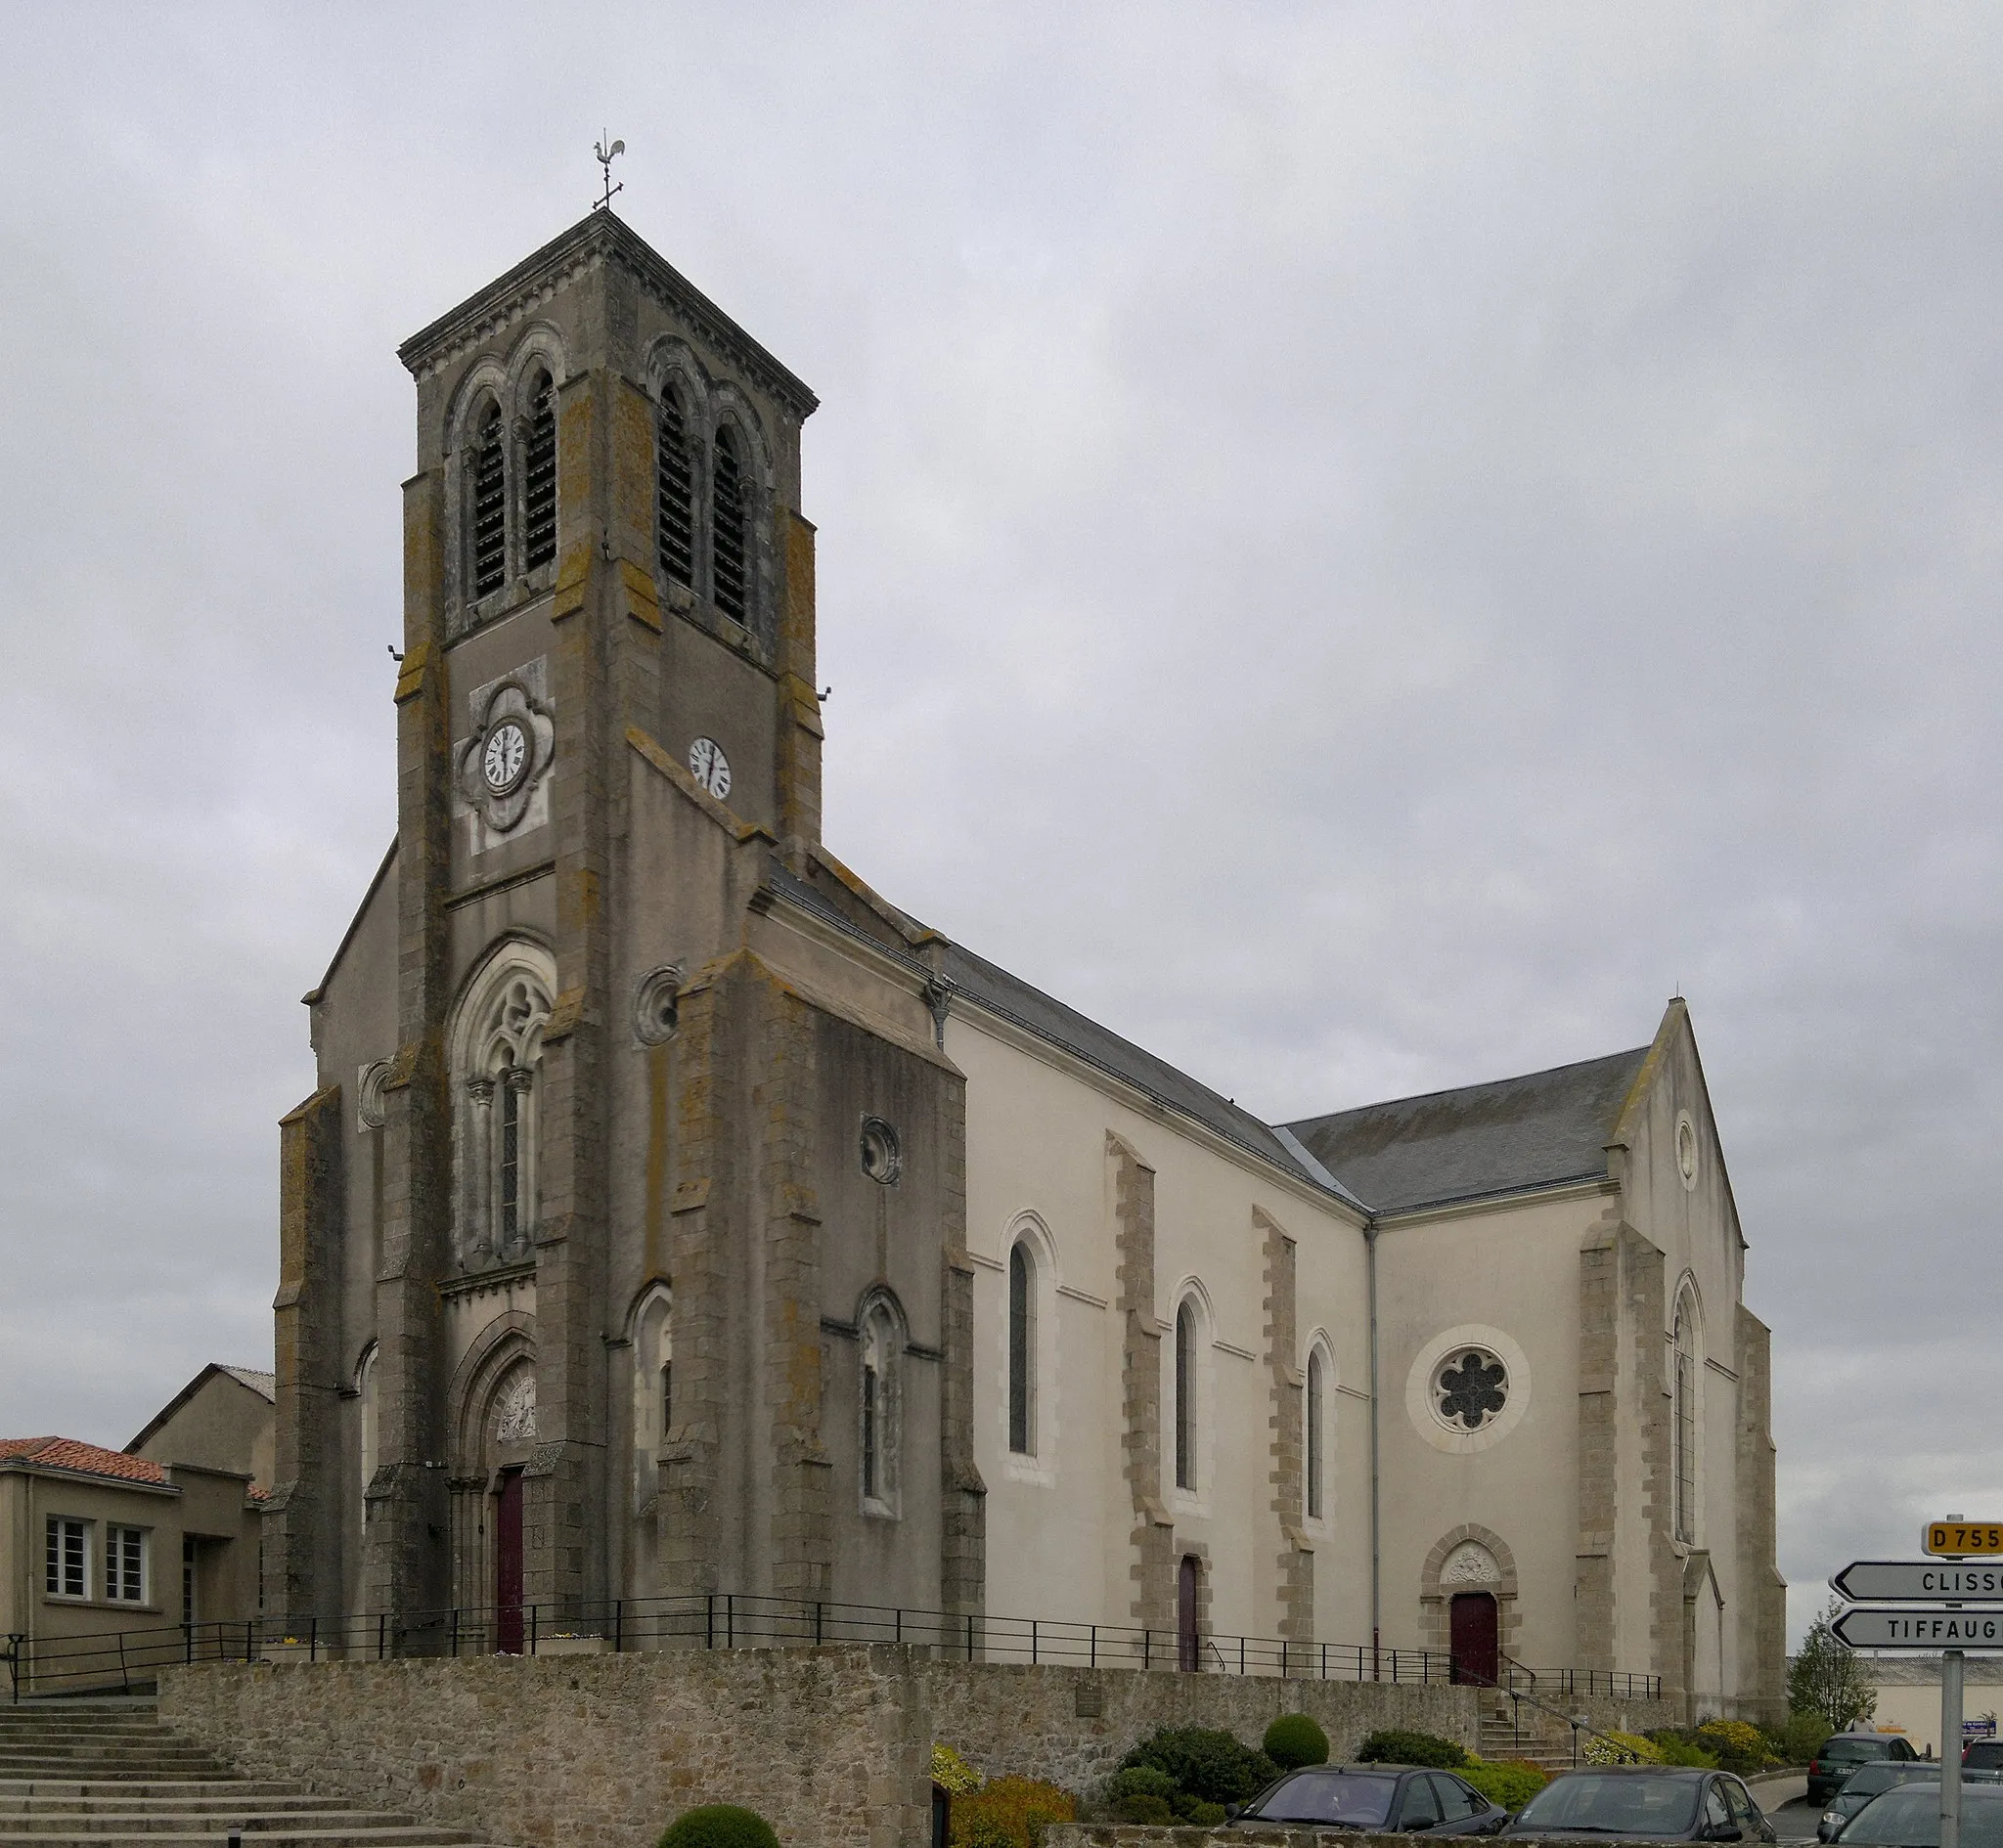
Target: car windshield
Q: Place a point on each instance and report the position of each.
(1355, 1800)
(1869, 1780)
(1910, 1818)
(1612, 1803)
(1988, 1753)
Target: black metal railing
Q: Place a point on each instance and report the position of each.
(712, 1620)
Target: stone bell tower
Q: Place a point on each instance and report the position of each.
(561, 1079)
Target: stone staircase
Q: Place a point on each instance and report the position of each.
(99, 1773)
(1544, 1740)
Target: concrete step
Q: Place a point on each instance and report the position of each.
(115, 1765)
(250, 1819)
(341, 1832)
(128, 1790)
(225, 1799)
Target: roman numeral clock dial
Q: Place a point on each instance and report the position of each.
(505, 754)
(710, 767)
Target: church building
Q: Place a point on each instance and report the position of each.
(675, 1216)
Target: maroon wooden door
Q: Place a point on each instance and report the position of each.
(1186, 1644)
(507, 1563)
(1477, 1652)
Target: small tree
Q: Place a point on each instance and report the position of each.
(1826, 1679)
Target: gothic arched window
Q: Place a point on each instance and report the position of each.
(365, 1392)
(497, 1059)
(1185, 1396)
(878, 1399)
(1683, 1421)
(489, 498)
(1022, 1350)
(654, 1388)
(539, 474)
(727, 527)
(1315, 1414)
(674, 489)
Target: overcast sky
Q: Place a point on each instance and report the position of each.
(1362, 546)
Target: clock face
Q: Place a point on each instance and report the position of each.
(710, 766)
(505, 753)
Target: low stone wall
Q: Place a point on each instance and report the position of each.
(1071, 1726)
(832, 1747)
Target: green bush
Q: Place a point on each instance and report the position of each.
(1411, 1749)
(1680, 1752)
(1804, 1735)
(1141, 1781)
(1146, 1809)
(1199, 1814)
(1511, 1783)
(1294, 1740)
(951, 1771)
(719, 1825)
(1204, 1763)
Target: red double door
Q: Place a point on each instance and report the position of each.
(1477, 1649)
(507, 1564)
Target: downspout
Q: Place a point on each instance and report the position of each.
(1376, 1500)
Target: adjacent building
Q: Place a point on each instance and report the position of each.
(675, 1216)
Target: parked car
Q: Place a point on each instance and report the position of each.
(1843, 1752)
(1909, 1817)
(1644, 1803)
(1982, 1754)
(1380, 1797)
(1864, 1783)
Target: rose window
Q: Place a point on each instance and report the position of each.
(1471, 1388)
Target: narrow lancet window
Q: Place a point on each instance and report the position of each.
(490, 506)
(1315, 1385)
(674, 492)
(1022, 1353)
(1186, 1397)
(727, 527)
(539, 476)
(510, 1158)
(1683, 1433)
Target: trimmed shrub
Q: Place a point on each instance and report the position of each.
(1677, 1750)
(1201, 1814)
(1141, 1781)
(1152, 1810)
(1009, 1813)
(1511, 1783)
(1395, 1747)
(951, 1771)
(1737, 1745)
(1294, 1740)
(1204, 1763)
(719, 1825)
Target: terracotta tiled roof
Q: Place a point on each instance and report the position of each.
(68, 1453)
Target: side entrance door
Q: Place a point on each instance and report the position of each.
(507, 1563)
(1188, 1656)
(1477, 1652)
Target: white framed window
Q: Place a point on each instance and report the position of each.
(66, 1572)
(125, 1550)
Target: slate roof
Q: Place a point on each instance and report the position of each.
(993, 987)
(1480, 1141)
(264, 1384)
(82, 1459)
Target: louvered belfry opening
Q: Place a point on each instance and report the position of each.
(539, 483)
(674, 492)
(490, 506)
(727, 527)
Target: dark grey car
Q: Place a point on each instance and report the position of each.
(1643, 1803)
(1909, 1817)
(1866, 1782)
(1407, 1798)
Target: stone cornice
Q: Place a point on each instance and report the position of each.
(596, 241)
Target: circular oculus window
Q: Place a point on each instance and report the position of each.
(1468, 1387)
(882, 1158)
(1686, 1149)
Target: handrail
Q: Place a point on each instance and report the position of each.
(1623, 1754)
(705, 1620)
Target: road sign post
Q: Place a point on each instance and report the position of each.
(1951, 1750)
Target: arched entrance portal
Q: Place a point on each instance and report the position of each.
(1475, 1638)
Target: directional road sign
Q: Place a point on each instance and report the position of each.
(1956, 1536)
(1862, 1628)
(1925, 1581)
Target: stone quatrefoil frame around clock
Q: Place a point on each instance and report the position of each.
(503, 810)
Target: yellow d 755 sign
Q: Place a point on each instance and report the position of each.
(1963, 1536)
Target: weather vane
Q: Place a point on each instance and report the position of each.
(606, 156)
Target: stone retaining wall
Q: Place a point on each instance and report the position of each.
(1071, 1726)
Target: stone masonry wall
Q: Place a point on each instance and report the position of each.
(1072, 1726)
(832, 1747)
